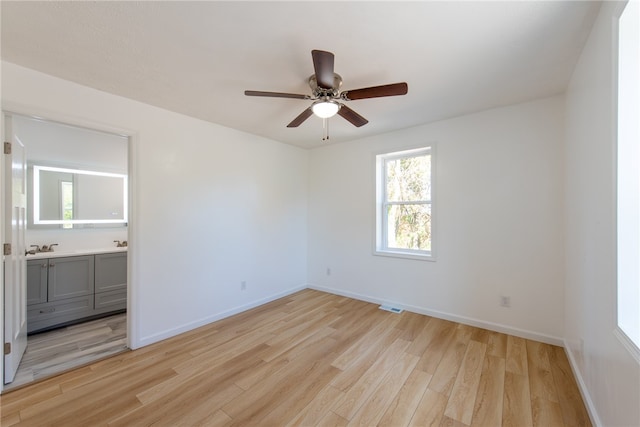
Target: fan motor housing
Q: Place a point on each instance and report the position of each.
(319, 92)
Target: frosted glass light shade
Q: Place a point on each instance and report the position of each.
(325, 109)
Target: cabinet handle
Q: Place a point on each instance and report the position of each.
(52, 265)
(44, 266)
(48, 310)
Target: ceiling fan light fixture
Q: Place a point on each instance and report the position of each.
(325, 109)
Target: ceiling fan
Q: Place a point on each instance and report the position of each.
(327, 97)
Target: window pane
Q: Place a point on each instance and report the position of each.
(67, 200)
(409, 227)
(408, 179)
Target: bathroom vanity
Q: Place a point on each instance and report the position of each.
(68, 287)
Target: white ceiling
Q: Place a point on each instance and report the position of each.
(197, 58)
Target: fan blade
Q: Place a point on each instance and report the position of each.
(323, 66)
(356, 119)
(376, 91)
(275, 94)
(301, 118)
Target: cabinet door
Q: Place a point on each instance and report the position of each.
(70, 277)
(37, 281)
(111, 271)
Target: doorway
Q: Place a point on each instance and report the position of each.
(73, 290)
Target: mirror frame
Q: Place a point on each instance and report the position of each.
(36, 198)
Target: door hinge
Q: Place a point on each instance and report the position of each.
(7, 148)
(7, 348)
(6, 249)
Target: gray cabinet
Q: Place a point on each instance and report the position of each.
(110, 282)
(66, 289)
(70, 277)
(37, 273)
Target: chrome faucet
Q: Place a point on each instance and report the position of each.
(49, 248)
(33, 251)
(120, 244)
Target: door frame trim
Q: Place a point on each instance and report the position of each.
(133, 340)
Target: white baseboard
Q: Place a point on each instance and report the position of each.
(522, 333)
(582, 386)
(218, 316)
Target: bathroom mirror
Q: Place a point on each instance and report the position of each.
(68, 197)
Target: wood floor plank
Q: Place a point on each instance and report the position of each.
(546, 413)
(364, 387)
(517, 355)
(480, 335)
(359, 366)
(450, 422)
(445, 375)
(489, 399)
(441, 334)
(293, 403)
(375, 406)
(13, 403)
(497, 345)
(331, 419)
(423, 338)
(516, 409)
(540, 377)
(574, 412)
(411, 324)
(430, 410)
(463, 394)
(257, 402)
(366, 342)
(405, 403)
(312, 358)
(201, 409)
(316, 409)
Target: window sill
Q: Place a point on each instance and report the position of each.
(628, 344)
(405, 255)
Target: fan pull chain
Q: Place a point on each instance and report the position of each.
(325, 129)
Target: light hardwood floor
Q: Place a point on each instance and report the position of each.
(50, 353)
(315, 359)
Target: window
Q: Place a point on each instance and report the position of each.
(404, 205)
(628, 179)
(66, 192)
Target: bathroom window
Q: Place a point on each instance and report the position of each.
(66, 202)
(66, 194)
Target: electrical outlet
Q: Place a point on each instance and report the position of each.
(505, 301)
(243, 286)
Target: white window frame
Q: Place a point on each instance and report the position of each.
(381, 246)
(627, 92)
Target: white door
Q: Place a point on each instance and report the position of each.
(15, 266)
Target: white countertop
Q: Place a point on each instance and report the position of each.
(64, 253)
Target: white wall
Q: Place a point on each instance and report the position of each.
(606, 369)
(499, 221)
(211, 206)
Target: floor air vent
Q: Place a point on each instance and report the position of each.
(391, 309)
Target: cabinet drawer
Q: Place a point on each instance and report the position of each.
(111, 301)
(41, 316)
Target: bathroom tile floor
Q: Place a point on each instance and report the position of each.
(53, 352)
